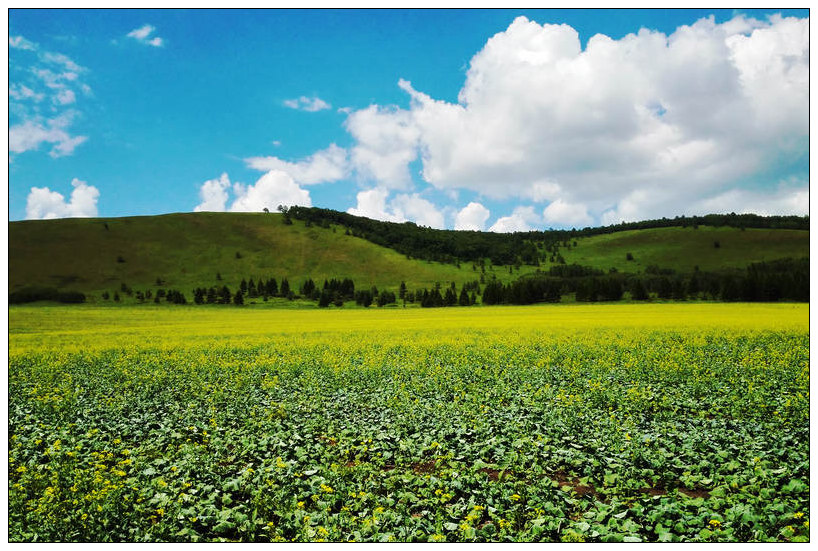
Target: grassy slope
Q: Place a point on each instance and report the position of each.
(187, 250)
(684, 248)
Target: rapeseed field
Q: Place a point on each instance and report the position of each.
(656, 422)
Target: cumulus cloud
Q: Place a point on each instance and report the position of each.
(271, 190)
(472, 217)
(143, 36)
(386, 142)
(628, 127)
(784, 200)
(304, 103)
(373, 203)
(521, 219)
(214, 195)
(328, 165)
(42, 203)
(562, 213)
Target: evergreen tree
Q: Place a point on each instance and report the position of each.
(224, 295)
(464, 298)
(638, 290)
(238, 298)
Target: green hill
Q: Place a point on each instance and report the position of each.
(183, 251)
(189, 250)
(682, 249)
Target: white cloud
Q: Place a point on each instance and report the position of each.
(22, 92)
(143, 36)
(43, 203)
(271, 190)
(561, 213)
(32, 122)
(387, 141)
(65, 97)
(415, 208)
(304, 103)
(785, 200)
(29, 135)
(521, 219)
(328, 165)
(622, 127)
(372, 203)
(64, 60)
(213, 194)
(472, 217)
(21, 43)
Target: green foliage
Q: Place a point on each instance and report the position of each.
(205, 244)
(415, 436)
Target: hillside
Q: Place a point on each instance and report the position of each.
(682, 249)
(189, 250)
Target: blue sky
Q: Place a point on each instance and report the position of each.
(496, 120)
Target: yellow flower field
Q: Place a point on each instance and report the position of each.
(654, 422)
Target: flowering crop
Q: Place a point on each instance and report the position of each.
(509, 424)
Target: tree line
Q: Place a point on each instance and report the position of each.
(505, 249)
(785, 279)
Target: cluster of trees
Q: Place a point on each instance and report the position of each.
(33, 294)
(366, 298)
(786, 279)
(266, 289)
(433, 298)
(506, 249)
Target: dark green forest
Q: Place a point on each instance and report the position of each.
(506, 249)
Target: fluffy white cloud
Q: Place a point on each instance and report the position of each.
(271, 190)
(328, 165)
(143, 36)
(372, 203)
(42, 203)
(620, 128)
(417, 209)
(304, 103)
(561, 213)
(521, 219)
(387, 141)
(785, 200)
(472, 217)
(214, 195)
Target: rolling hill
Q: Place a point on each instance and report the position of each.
(183, 251)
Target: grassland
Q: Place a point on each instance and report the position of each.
(657, 422)
(682, 249)
(189, 250)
